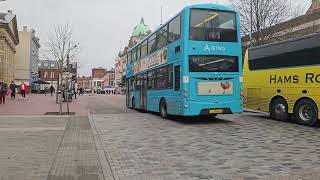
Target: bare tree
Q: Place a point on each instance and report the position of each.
(61, 47)
(265, 15)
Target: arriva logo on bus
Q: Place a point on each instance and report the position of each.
(213, 48)
(287, 79)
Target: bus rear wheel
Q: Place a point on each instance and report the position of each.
(306, 112)
(279, 109)
(163, 109)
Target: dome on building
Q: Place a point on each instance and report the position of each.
(141, 29)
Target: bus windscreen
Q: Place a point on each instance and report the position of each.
(213, 64)
(213, 25)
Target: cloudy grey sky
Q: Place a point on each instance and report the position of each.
(103, 27)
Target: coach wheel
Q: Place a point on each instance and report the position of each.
(133, 103)
(163, 109)
(279, 109)
(306, 113)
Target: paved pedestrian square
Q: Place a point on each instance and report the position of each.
(116, 143)
(248, 146)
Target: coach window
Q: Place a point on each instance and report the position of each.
(310, 56)
(152, 46)
(162, 38)
(152, 79)
(175, 29)
(137, 77)
(144, 49)
(129, 57)
(130, 84)
(162, 77)
(138, 52)
(134, 55)
(170, 76)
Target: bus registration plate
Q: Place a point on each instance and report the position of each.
(216, 111)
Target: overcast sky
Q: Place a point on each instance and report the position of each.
(102, 27)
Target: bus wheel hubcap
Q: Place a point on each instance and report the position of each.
(305, 112)
(280, 108)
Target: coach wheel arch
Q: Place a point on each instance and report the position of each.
(278, 108)
(306, 111)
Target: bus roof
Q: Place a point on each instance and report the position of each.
(287, 46)
(200, 6)
(211, 6)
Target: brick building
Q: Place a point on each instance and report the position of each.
(85, 83)
(48, 71)
(98, 79)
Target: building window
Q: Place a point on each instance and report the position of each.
(2, 44)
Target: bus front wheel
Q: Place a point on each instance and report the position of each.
(163, 109)
(279, 109)
(306, 112)
(133, 103)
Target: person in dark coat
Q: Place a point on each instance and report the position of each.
(51, 90)
(13, 88)
(3, 92)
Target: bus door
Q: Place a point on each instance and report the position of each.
(143, 91)
(128, 92)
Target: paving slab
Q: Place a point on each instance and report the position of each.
(28, 146)
(77, 156)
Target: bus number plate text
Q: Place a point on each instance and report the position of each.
(216, 111)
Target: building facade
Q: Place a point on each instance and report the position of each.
(109, 80)
(9, 39)
(302, 25)
(120, 73)
(27, 57)
(139, 32)
(98, 79)
(85, 83)
(48, 70)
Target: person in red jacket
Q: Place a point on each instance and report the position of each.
(23, 89)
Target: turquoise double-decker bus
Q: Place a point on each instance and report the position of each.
(190, 66)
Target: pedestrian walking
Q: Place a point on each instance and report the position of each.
(23, 89)
(75, 93)
(3, 92)
(51, 90)
(13, 87)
